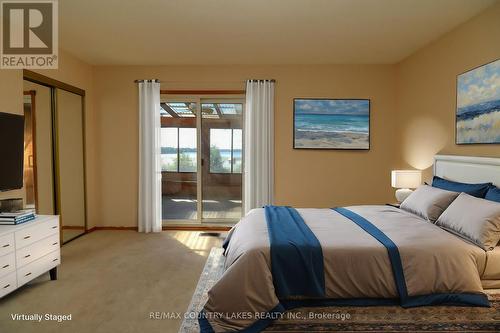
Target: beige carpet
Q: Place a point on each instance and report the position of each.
(110, 281)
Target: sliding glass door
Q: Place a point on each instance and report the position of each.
(222, 149)
(202, 159)
(179, 160)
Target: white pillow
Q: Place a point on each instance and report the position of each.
(428, 202)
(475, 219)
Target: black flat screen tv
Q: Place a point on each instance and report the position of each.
(11, 151)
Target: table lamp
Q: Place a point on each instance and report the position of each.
(404, 181)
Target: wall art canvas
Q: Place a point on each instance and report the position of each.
(331, 123)
(478, 105)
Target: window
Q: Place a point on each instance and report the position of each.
(221, 110)
(178, 110)
(225, 150)
(237, 150)
(178, 149)
(169, 149)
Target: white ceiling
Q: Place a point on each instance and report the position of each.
(163, 32)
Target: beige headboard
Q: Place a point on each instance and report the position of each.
(468, 169)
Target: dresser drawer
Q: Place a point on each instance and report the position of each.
(36, 232)
(37, 250)
(7, 264)
(6, 244)
(7, 284)
(38, 267)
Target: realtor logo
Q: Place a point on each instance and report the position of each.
(29, 34)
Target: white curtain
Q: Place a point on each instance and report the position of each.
(149, 157)
(259, 144)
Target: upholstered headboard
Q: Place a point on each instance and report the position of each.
(468, 169)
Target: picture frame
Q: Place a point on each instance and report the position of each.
(477, 108)
(331, 123)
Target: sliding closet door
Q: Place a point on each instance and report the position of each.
(70, 163)
(40, 106)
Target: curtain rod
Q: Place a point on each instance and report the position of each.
(261, 80)
(153, 80)
(201, 92)
(250, 80)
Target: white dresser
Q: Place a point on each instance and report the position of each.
(27, 251)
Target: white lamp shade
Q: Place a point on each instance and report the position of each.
(406, 178)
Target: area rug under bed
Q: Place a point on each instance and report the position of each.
(353, 318)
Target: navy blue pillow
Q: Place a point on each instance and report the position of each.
(476, 190)
(493, 194)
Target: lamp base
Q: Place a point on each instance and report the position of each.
(402, 194)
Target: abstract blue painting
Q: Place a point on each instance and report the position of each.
(331, 123)
(478, 105)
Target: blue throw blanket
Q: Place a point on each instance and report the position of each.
(296, 255)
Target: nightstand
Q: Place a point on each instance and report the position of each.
(395, 204)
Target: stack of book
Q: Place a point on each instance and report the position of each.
(17, 217)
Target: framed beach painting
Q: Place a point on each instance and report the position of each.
(478, 105)
(331, 123)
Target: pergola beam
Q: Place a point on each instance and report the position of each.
(169, 110)
(217, 109)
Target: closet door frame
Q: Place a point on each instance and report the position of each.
(53, 85)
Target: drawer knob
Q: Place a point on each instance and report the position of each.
(28, 274)
(54, 227)
(26, 237)
(27, 256)
(7, 286)
(6, 245)
(55, 243)
(55, 259)
(5, 266)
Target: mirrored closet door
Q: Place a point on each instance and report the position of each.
(54, 172)
(70, 170)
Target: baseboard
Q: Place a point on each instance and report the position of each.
(90, 230)
(72, 227)
(179, 228)
(111, 228)
(196, 228)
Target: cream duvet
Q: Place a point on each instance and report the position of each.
(279, 258)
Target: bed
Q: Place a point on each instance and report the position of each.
(357, 255)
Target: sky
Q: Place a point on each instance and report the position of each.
(325, 106)
(479, 85)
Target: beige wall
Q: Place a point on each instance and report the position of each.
(426, 91)
(304, 178)
(412, 119)
(74, 72)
